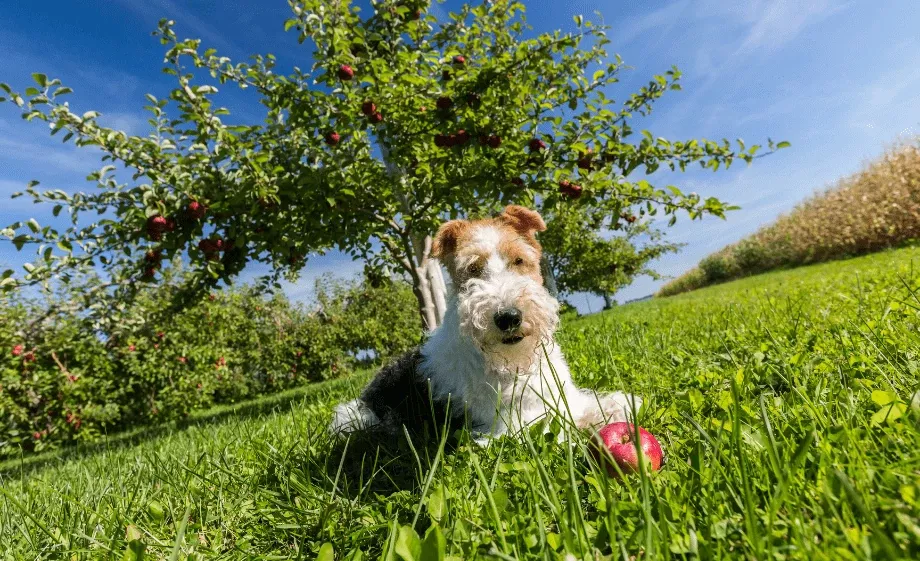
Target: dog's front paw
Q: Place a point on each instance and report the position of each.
(619, 407)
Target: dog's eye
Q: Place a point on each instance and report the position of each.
(519, 261)
(474, 270)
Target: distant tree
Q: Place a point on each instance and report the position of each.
(584, 259)
(401, 122)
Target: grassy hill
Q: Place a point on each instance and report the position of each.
(786, 403)
(877, 208)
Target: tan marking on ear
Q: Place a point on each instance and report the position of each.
(522, 219)
(445, 241)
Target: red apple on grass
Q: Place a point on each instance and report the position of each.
(616, 441)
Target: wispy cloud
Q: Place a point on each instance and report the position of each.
(154, 10)
(130, 123)
(774, 23)
(661, 20)
(48, 157)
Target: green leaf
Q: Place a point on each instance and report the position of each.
(408, 546)
(434, 546)
(326, 553)
(436, 503)
(783, 144)
(33, 225)
(880, 397)
(889, 413)
(135, 549)
(40, 79)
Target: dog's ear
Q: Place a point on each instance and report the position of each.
(523, 219)
(445, 241)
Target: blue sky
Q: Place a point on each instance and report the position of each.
(839, 80)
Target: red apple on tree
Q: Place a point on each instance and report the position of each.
(376, 118)
(332, 138)
(196, 210)
(156, 225)
(346, 72)
(569, 190)
(17, 350)
(495, 141)
(445, 102)
(369, 108)
(536, 145)
(459, 60)
(616, 442)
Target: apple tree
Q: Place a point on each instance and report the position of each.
(589, 249)
(400, 122)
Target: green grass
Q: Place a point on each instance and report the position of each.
(783, 402)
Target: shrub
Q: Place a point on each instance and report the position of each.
(875, 209)
(719, 266)
(65, 379)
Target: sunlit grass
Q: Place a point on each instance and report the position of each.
(784, 403)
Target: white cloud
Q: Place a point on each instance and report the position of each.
(634, 28)
(775, 23)
(63, 158)
(154, 10)
(130, 123)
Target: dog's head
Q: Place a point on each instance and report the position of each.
(495, 268)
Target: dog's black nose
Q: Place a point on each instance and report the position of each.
(508, 319)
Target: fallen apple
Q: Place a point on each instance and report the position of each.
(616, 441)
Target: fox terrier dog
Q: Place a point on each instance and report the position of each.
(493, 365)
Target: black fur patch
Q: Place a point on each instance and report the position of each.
(400, 396)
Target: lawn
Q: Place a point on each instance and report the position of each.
(784, 403)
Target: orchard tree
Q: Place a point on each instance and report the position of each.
(401, 122)
(590, 249)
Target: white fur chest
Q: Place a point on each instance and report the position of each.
(496, 399)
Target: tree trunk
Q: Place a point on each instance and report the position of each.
(549, 279)
(427, 280)
(425, 304)
(608, 301)
(427, 283)
(438, 289)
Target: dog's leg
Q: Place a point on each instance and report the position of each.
(352, 416)
(594, 410)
